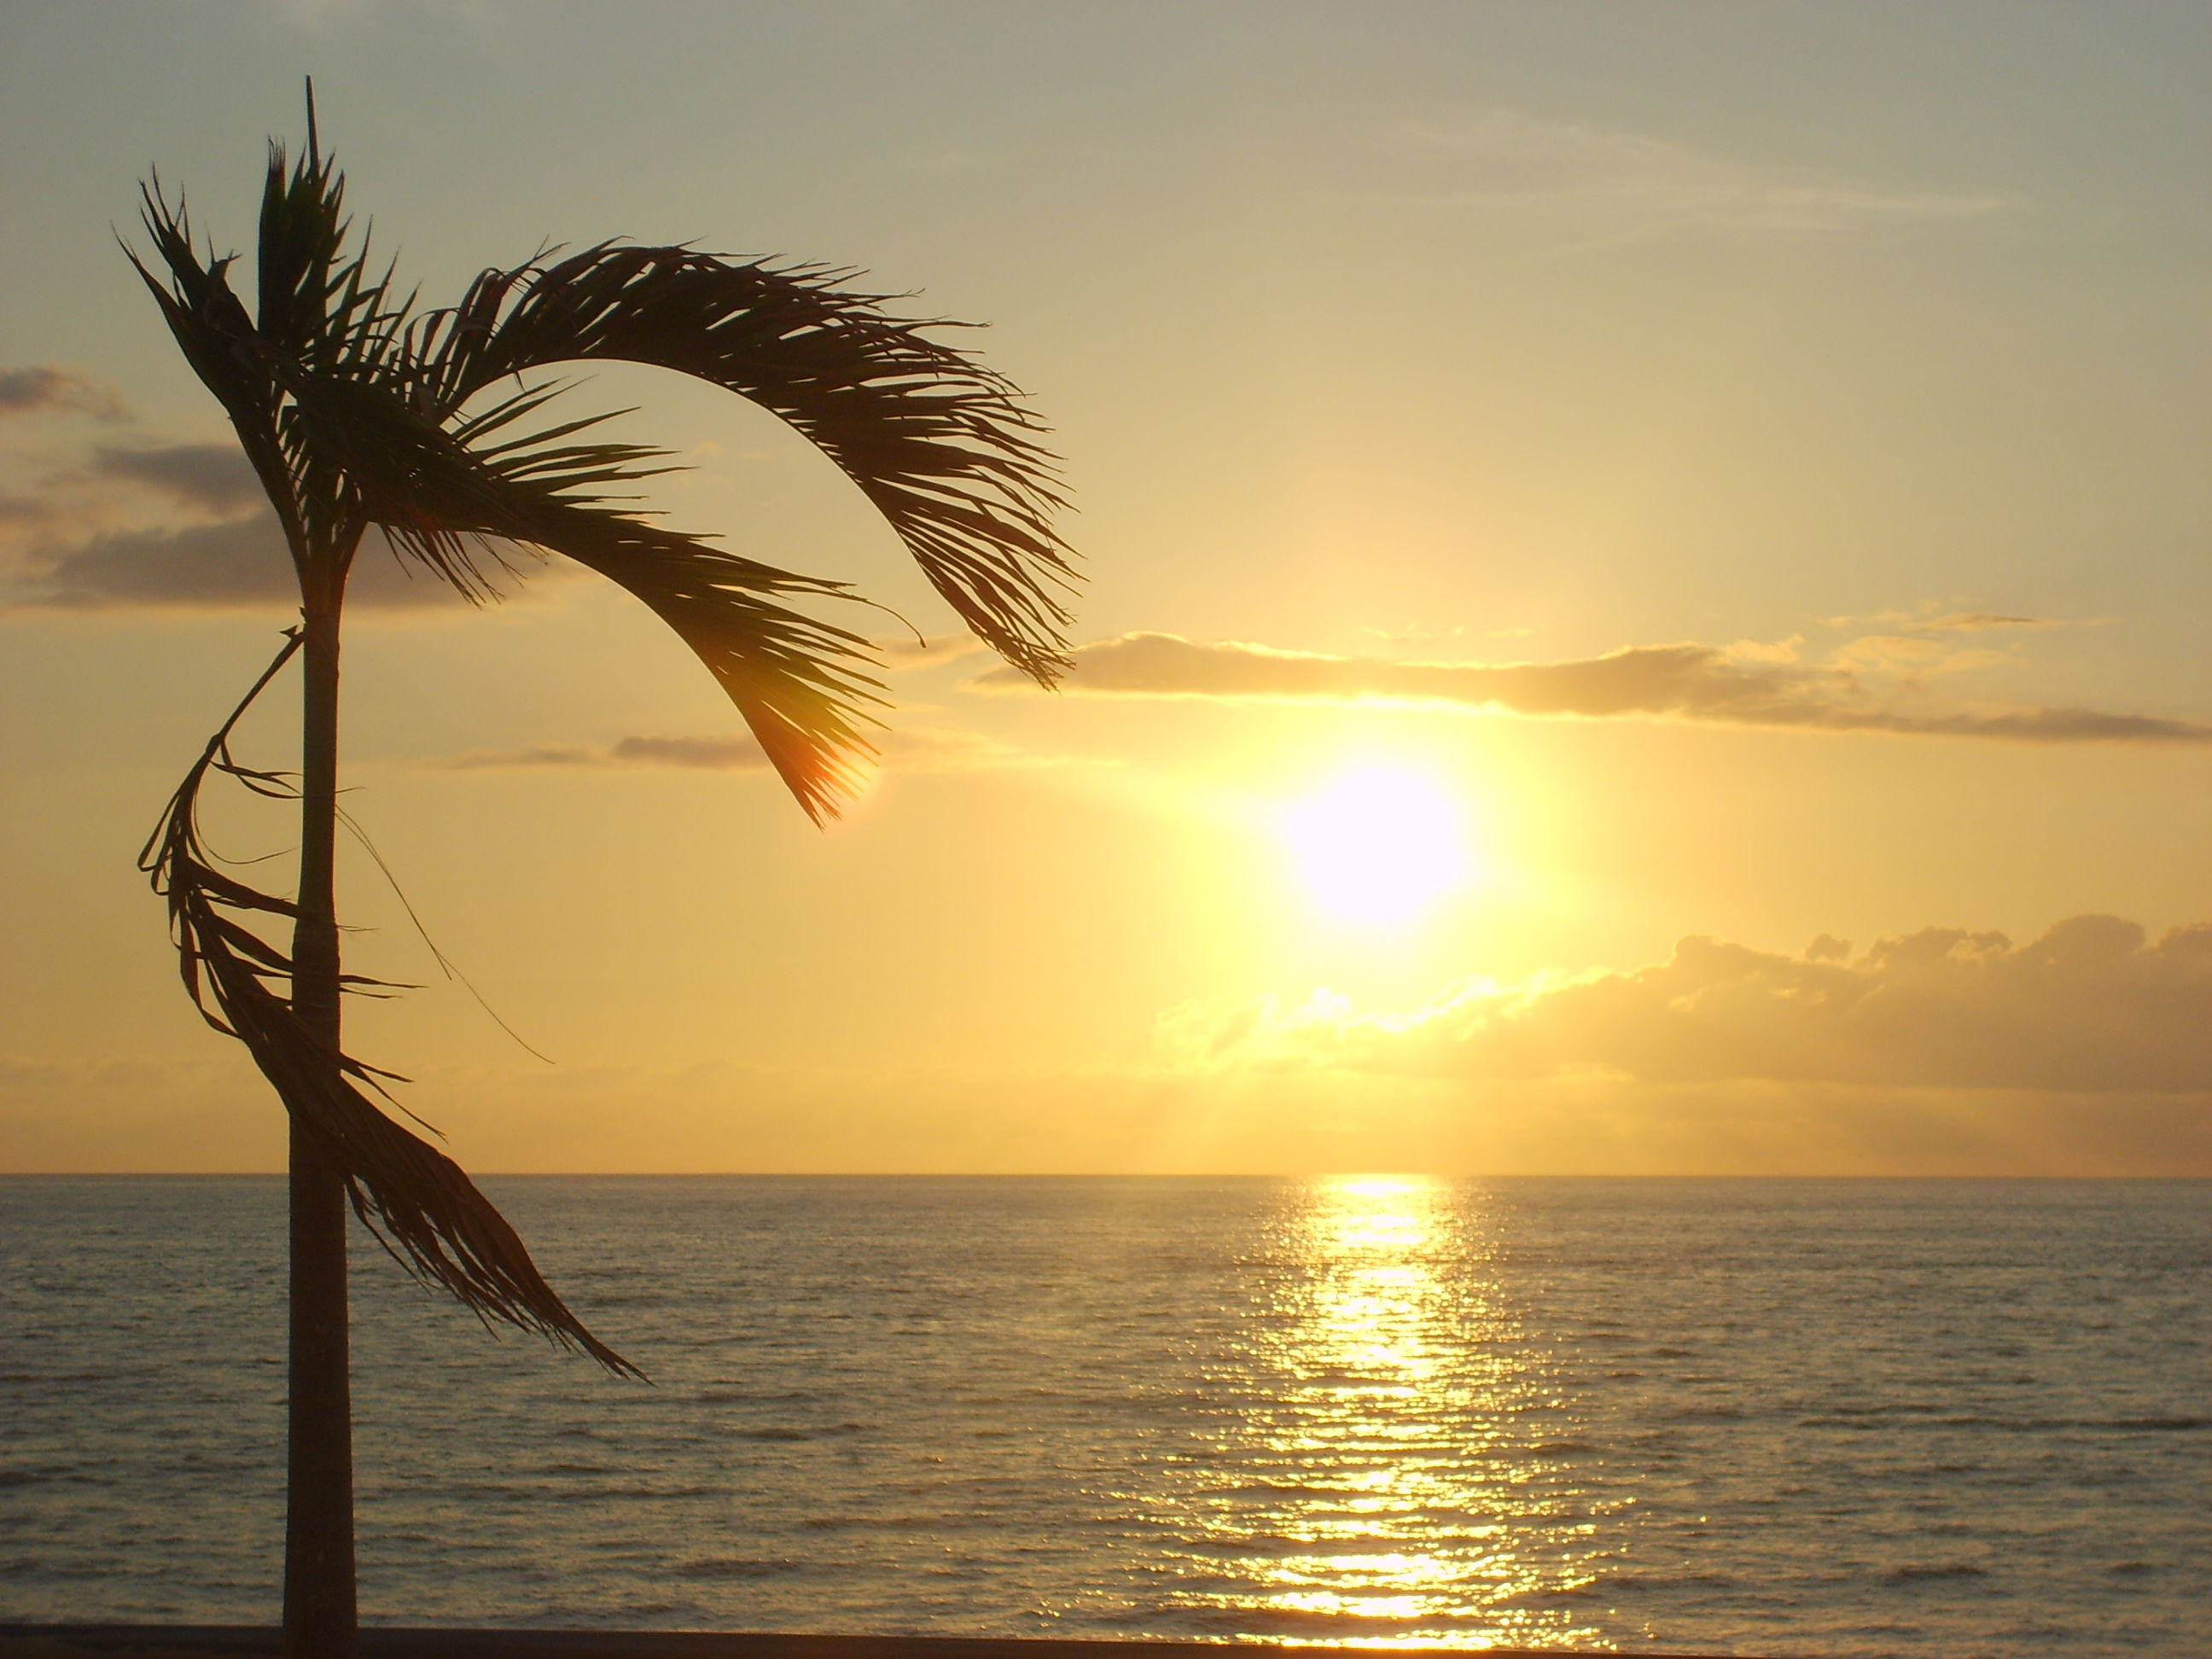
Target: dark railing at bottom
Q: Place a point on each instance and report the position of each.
(401, 1642)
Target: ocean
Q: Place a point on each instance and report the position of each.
(1817, 1418)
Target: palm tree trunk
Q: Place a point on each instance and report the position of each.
(319, 1615)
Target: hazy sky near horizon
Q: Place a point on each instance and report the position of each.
(1647, 607)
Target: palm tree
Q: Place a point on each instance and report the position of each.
(360, 413)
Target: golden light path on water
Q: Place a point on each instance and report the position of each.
(1402, 1497)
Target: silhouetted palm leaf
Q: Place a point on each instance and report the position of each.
(358, 416)
(354, 419)
(938, 442)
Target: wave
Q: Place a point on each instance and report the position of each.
(1662, 1580)
(1905, 1416)
(36, 1475)
(727, 1395)
(737, 1567)
(1165, 1463)
(1915, 1571)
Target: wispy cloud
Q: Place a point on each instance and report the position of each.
(47, 389)
(226, 564)
(1739, 686)
(1983, 622)
(1601, 185)
(2092, 1006)
(214, 478)
(910, 749)
(1936, 618)
(173, 527)
(229, 563)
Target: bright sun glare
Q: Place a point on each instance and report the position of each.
(1379, 844)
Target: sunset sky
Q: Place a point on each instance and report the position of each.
(1647, 610)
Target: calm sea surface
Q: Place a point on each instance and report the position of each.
(1816, 1417)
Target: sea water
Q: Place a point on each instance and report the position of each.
(1772, 1417)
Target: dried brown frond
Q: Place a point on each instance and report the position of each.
(417, 1202)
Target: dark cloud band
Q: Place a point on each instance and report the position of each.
(43, 389)
(912, 749)
(1684, 681)
(230, 564)
(214, 477)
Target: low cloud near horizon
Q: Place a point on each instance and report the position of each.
(2093, 1007)
(1739, 686)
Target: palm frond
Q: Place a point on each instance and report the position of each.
(417, 1202)
(800, 683)
(324, 314)
(353, 417)
(218, 339)
(941, 445)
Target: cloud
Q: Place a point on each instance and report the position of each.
(1739, 686)
(231, 562)
(2091, 1007)
(710, 754)
(1607, 186)
(549, 754)
(144, 527)
(915, 748)
(25, 514)
(1915, 657)
(1981, 621)
(213, 477)
(1933, 618)
(43, 389)
(723, 754)
(227, 564)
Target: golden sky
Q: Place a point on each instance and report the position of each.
(1647, 607)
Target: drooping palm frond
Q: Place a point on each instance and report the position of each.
(415, 1199)
(355, 418)
(799, 681)
(941, 445)
(348, 434)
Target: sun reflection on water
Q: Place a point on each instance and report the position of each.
(1385, 1492)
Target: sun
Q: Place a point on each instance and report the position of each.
(1379, 844)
